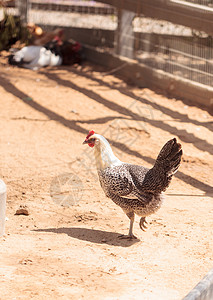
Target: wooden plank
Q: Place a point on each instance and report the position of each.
(198, 17)
(124, 34)
(23, 9)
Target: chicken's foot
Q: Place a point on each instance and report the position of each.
(130, 235)
(143, 223)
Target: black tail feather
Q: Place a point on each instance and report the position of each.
(167, 163)
(170, 155)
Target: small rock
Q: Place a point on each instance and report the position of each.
(112, 270)
(22, 210)
(73, 111)
(27, 99)
(103, 241)
(25, 261)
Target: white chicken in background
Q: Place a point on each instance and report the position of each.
(136, 189)
(35, 57)
(54, 53)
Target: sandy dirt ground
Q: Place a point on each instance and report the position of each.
(73, 251)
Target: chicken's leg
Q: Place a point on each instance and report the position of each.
(130, 235)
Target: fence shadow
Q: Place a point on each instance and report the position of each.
(185, 136)
(165, 110)
(72, 124)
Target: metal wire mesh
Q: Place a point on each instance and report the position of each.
(176, 49)
(75, 13)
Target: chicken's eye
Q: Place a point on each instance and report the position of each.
(92, 140)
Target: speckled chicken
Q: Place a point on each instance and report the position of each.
(136, 189)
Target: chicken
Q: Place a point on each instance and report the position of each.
(35, 57)
(51, 54)
(136, 189)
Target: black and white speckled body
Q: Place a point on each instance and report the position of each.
(120, 186)
(136, 189)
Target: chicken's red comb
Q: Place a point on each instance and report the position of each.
(90, 133)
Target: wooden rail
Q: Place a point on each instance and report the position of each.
(198, 17)
(184, 13)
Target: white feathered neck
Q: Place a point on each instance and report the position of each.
(104, 155)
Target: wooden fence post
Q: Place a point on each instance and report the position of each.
(23, 6)
(124, 37)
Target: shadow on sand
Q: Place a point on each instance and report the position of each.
(92, 235)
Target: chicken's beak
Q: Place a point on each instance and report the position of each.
(85, 142)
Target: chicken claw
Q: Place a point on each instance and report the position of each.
(127, 237)
(143, 223)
